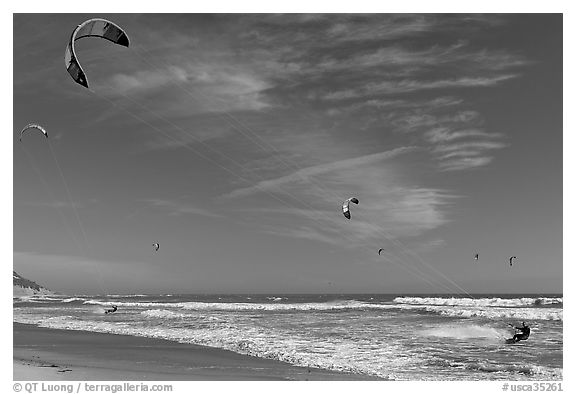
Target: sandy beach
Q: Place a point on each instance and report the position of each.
(48, 354)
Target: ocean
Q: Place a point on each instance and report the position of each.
(399, 337)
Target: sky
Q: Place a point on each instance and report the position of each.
(233, 140)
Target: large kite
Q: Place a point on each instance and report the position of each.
(101, 28)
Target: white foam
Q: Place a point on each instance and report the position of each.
(36, 297)
(234, 306)
(517, 370)
(343, 356)
(480, 302)
(163, 314)
(499, 313)
(452, 309)
(72, 299)
(127, 295)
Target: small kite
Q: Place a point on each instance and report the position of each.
(33, 126)
(346, 206)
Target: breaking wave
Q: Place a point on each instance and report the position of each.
(481, 302)
(452, 309)
(163, 314)
(67, 300)
(499, 313)
(244, 306)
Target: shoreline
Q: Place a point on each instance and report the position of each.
(54, 354)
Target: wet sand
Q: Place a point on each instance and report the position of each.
(48, 354)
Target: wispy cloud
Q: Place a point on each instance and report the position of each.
(465, 155)
(305, 173)
(402, 211)
(333, 29)
(412, 85)
(464, 163)
(476, 145)
(312, 198)
(147, 80)
(396, 61)
(178, 208)
(379, 104)
(356, 64)
(445, 134)
(350, 28)
(191, 89)
(456, 137)
(425, 119)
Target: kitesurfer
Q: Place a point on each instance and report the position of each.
(114, 309)
(523, 334)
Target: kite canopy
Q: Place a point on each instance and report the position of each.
(511, 258)
(380, 251)
(101, 28)
(156, 246)
(33, 126)
(346, 206)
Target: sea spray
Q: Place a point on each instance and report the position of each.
(466, 331)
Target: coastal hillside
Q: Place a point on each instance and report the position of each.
(26, 287)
